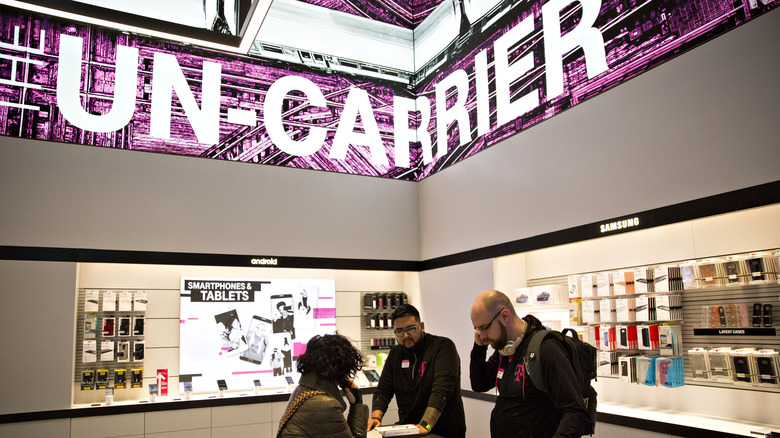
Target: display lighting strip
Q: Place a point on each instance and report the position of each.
(257, 15)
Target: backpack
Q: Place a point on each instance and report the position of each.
(582, 356)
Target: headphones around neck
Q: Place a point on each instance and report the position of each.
(511, 346)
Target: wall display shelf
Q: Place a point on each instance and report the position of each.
(110, 340)
(705, 311)
(376, 330)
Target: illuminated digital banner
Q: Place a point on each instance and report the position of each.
(76, 83)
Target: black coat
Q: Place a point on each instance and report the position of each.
(427, 375)
(521, 409)
(323, 415)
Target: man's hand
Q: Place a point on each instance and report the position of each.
(478, 340)
(423, 431)
(375, 420)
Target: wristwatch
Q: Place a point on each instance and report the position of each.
(426, 425)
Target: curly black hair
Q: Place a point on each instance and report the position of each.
(331, 357)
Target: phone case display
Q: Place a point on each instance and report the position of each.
(690, 275)
(668, 307)
(109, 301)
(101, 379)
(648, 337)
(734, 270)
(608, 363)
(575, 312)
(139, 301)
(625, 309)
(591, 311)
(671, 371)
(627, 369)
(575, 287)
(90, 326)
(627, 337)
(604, 286)
(720, 364)
(670, 340)
(120, 378)
(767, 368)
(623, 282)
(138, 351)
(136, 377)
(110, 336)
(607, 338)
(378, 307)
(700, 364)
(109, 327)
(761, 268)
(711, 272)
(643, 280)
(645, 308)
(645, 370)
(607, 310)
(91, 300)
(743, 366)
(87, 380)
(589, 285)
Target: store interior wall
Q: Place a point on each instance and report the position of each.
(74, 196)
(701, 124)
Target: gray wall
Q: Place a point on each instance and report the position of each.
(702, 124)
(62, 195)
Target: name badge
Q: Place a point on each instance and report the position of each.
(500, 373)
(404, 364)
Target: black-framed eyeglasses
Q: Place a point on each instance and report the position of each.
(411, 331)
(486, 327)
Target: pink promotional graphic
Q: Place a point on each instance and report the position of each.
(379, 92)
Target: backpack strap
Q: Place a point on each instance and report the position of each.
(293, 406)
(533, 367)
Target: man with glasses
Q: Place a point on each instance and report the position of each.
(423, 372)
(521, 409)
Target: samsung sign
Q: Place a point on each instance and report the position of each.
(619, 225)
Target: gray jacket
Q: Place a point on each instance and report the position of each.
(323, 415)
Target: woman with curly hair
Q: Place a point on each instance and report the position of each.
(316, 407)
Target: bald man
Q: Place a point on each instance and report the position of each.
(521, 409)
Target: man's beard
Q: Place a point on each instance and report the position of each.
(501, 341)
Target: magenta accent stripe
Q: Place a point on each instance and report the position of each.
(251, 372)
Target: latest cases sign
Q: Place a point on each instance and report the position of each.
(81, 84)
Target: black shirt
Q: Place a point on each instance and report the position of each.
(521, 409)
(426, 375)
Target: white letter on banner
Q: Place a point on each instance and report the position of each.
(460, 80)
(358, 104)
(69, 87)
(506, 74)
(483, 93)
(583, 35)
(166, 78)
(403, 135)
(272, 112)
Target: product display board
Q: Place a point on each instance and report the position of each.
(110, 339)
(239, 330)
(376, 331)
(709, 321)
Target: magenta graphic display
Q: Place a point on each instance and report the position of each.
(502, 71)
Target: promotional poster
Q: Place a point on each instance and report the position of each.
(243, 330)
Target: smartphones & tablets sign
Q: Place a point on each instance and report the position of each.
(516, 65)
(238, 330)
